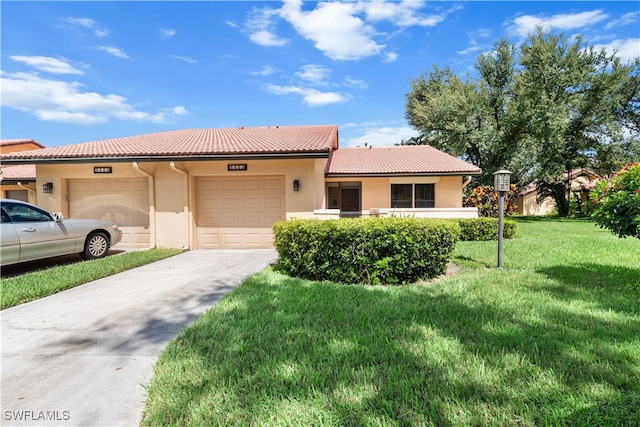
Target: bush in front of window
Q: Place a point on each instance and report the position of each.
(365, 250)
(483, 229)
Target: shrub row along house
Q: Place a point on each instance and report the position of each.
(208, 188)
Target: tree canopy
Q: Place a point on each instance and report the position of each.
(542, 109)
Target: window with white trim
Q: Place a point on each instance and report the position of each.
(413, 195)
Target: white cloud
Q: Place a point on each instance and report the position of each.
(83, 22)
(626, 19)
(525, 24)
(117, 52)
(390, 57)
(260, 28)
(316, 74)
(334, 29)
(311, 97)
(402, 14)
(377, 134)
(87, 23)
(360, 84)
(267, 38)
(186, 59)
(231, 24)
(47, 64)
(626, 50)
(167, 32)
(342, 30)
(266, 70)
(61, 101)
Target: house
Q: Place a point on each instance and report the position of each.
(582, 181)
(207, 188)
(18, 181)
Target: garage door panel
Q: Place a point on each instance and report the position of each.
(238, 212)
(251, 184)
(273, 184)
(273, 203)
(230, 185)
(251, 203)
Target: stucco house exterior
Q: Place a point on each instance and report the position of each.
(209, 188)
(18, 181)
(581, 182)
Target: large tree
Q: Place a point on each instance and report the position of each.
(561, 105)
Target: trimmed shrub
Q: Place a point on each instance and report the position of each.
(365, 250)
(483, 229)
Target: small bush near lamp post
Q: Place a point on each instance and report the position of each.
(616, 202)
(485, 199)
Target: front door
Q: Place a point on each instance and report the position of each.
(350, 206)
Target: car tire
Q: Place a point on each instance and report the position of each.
(96, 246)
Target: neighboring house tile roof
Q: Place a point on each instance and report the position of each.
(191, 143)
(18, 173)
(8, 142)
(397, 160)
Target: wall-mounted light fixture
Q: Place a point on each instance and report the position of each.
(47, 188)
(296, 185)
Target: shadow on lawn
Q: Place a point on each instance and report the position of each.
(408, 356)
(611, 288)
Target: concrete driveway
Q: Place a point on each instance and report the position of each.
(82, 357)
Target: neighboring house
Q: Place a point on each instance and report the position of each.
(582, 181)
(18, 182)
(206, 188)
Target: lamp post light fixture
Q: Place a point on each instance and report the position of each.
(501, 184)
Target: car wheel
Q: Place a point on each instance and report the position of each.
(96, 246)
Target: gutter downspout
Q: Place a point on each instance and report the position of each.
(152, 204)
(466, 182)
(187, 210)
(24, 187)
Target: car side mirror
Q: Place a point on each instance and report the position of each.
(57, 216)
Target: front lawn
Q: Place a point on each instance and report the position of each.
(551, 339)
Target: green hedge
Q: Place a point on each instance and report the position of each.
(365, 250)
(474, 229)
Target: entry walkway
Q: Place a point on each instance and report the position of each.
(82, 357)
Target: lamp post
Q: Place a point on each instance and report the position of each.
(501, 184)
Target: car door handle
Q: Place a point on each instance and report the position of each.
(30, 230)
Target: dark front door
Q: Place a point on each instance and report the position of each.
(350, 206)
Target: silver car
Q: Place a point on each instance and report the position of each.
(29, 233)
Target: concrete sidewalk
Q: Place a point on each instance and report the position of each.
(82, 357)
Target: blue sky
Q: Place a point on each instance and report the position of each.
(84, 71)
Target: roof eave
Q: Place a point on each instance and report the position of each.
(384, 174)
(181, 158)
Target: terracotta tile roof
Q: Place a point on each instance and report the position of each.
(18, 173)
(397, 160)
(197, 142)
(7, 142)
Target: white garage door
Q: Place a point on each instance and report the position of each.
(238, 212)
(123, 201)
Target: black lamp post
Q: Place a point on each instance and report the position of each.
(501, 184)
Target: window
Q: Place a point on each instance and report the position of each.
(424, 195)
(23, 213)
(412, 195)
(401, 196)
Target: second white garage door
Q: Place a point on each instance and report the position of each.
(123, 201)
(238, 212)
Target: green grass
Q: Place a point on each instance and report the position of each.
(42, 283)
(553, 339)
